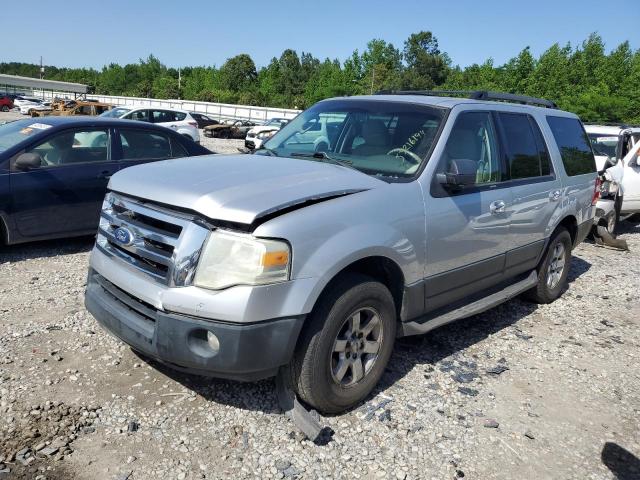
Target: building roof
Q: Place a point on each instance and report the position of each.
(28, 82)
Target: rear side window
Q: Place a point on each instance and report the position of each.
(178, 150)
(141, 145)
(574, 145)
(526, 151)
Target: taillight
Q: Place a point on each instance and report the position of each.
(193, 124)
(596, 191)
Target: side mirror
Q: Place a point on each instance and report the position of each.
(461, 172)
(634, 162)
(28, 161)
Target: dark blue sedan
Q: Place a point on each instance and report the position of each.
(54, 171)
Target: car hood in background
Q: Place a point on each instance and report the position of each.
(239, 188)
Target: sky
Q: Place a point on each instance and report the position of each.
(87, 33)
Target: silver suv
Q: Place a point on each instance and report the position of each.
(363, 220)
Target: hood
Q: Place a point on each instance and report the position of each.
(263, 128)
(239, 188)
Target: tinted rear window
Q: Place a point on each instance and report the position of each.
(574, 145)
(526, 151)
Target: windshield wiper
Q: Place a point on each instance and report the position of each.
(327, 157)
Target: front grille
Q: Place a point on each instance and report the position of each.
(162, 243)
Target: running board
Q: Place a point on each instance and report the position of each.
(426, 324)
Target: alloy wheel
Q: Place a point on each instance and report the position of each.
(556, 265)
(356, 347)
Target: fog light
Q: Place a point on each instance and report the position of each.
(213, 341)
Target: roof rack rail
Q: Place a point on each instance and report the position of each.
(613, 124)
(476, 95)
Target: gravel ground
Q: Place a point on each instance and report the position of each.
(521, 391)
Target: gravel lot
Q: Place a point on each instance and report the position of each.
(521, 391)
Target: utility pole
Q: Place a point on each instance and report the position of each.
(41, 68)
(179, 83)
(373, 78)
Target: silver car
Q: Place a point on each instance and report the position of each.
(363, 220)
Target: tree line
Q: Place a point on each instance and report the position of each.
(585, 79)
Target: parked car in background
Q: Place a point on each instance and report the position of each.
(28, 108)
(70, 108)
(22, 100)
(178, 120)
(616, 148)
(203, 120)
(260, 133)
(115, 112)
(237, 129)
(364, 219)
(54, 171)
(6, 103)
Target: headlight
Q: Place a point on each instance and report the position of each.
(107, 203)
(230, 259)
(263, 135)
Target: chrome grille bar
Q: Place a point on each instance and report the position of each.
(164, 245)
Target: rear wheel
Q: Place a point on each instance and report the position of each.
(553, 270)
(346, 344)
(5, 108)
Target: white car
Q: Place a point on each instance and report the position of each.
(178, 120)
(24, 101)
(27, 108)
(258, 134)
(620, 145)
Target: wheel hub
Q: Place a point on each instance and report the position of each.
(356, 347)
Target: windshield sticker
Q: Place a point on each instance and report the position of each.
(606, 139)
(413, 139)
(39, 126)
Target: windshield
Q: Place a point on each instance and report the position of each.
(606, 145)
(274, 122)
(13, 133)
(115, 112)
(380, 138)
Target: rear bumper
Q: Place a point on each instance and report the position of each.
(245, 352)
(604, 208)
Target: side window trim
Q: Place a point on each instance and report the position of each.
(541, 143)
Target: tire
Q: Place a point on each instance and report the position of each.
(614, 220)
(324, 371)
(551, 281)
(5, 108)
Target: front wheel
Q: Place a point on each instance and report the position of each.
(345, 345)
(553, 270)
(5, 108)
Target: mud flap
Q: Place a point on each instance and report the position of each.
(307, 421)
(604, 239)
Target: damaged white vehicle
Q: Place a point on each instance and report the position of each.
(616, 151)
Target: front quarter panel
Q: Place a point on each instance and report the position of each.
(329, 236)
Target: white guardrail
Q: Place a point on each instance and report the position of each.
(215, 110)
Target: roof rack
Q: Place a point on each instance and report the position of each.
(612, 124)
(476, 95)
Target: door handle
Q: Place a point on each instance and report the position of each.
(497, 207)
(555, 195)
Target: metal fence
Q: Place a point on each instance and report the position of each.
(215, 110)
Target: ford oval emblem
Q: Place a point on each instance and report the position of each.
(123, 236)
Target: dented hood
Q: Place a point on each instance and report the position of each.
(239, 188)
